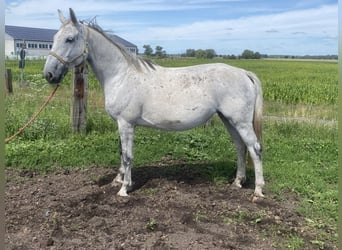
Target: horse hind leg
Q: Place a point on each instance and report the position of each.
(244, 136)
(241, 150)
(241, 161)
(254, 148)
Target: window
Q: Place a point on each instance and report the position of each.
(45, 46)
(32, 45)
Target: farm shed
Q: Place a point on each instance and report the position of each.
(130, 46)
(39, 41)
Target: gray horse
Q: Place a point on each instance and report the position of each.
(138, 92)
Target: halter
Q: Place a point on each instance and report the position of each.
(84, 53)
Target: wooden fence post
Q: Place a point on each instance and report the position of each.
(79, 98)
(8, 81)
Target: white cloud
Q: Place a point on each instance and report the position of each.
(316, 22)
(279, 33)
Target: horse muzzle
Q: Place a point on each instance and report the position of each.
(56, 75)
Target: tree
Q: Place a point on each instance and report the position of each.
(148, 50)
(232, 56)
(257, 55)
(160, 53)
(200, 53)
(249, 54)
(210, 53)
(190, 53)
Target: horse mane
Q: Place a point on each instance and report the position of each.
(129, 56)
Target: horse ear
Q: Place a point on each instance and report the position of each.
(61, 17)
(73, 16)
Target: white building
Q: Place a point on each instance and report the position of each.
(38, 41)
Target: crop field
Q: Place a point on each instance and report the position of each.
(299, 158)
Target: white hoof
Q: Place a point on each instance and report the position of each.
(237, 184)
(239, 181)
(122, 192)
(258, 192)
(117, 181)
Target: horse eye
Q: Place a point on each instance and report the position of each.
(70, 39)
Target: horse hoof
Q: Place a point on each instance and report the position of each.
(122, 193)
(239, 181)
(258, 192)
(237, 184)
(117, 181)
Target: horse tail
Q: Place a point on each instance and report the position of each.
(258, 106)
(257, 118)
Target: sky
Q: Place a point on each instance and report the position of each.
(273, 27)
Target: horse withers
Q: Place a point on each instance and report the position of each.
(139, 92)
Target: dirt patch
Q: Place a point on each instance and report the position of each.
(170, 208)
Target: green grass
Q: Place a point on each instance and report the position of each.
(300, 159)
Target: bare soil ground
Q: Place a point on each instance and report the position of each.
(171, 207)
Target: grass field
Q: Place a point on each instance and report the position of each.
(299, 158)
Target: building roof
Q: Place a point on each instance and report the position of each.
(38, 34)
(122, 41)
(31, 34)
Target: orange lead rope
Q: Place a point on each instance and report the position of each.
(34, 116)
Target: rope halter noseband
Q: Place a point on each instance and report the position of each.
(84, 53)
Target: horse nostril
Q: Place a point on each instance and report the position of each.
(49, 76)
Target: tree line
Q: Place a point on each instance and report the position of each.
(159, 52)
(200, 53)
(210, 53)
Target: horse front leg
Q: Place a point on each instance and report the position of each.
(118, 180)
(126, 131)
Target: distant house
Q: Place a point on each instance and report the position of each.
(39, 41)
(130, 46)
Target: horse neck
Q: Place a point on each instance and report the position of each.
(105, 59)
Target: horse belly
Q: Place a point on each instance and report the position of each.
(172, 118)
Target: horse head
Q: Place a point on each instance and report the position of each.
(69, 49)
